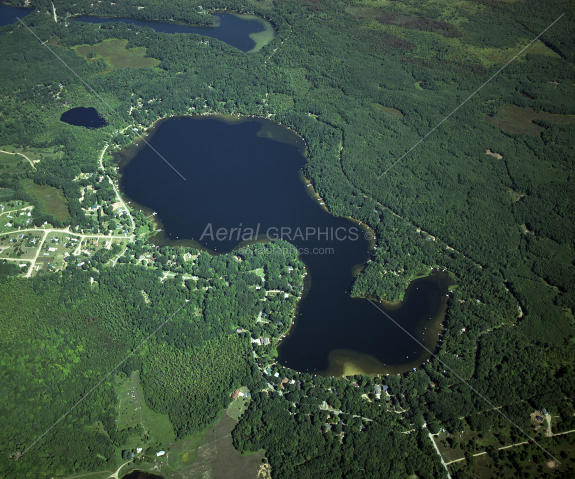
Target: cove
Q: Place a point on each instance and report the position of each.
(244, 32)
(9, 14)
(86, 117)
(244, 173)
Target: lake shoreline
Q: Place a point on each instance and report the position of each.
(324, 291)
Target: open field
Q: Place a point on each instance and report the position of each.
(133, 410)
(217, 458)
(515, 119)
(206, 454)
(18, 158)
(52, 199)
(13, 163)
(116, 55)
(35, 154)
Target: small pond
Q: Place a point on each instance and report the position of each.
(86, 117)
(141, 475)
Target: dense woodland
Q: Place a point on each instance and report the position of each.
(372, 79)
(64, 332)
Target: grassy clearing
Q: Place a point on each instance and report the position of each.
(133, 410)
(52, 199)
(35, 154)
(115, 54)
(515, 119)
(489, 55)
(390, 111)
(13, 163)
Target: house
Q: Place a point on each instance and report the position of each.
(238, 330)
(544, 412)
(265, 341)
(160, 453)
(236, 394)
(539, 418)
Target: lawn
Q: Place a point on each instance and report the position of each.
(116, 55)
(238, 406)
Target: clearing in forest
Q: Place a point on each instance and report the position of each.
(390, 111)
(116, 55)
(52, 199)
(515, 119)
(216, 456)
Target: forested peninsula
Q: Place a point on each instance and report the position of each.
(120, 355)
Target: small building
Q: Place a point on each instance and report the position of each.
(265, 341)
(160, 453)
(544, 412)
(236, 394)
(238, 330)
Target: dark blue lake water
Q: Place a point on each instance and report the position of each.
(9, 15)
(247, 174)
(86, 117)
(230, 29)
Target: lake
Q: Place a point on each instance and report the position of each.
(9, 14)
(86, 117)
(244, 32)
(141, 475)
(246, 174)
